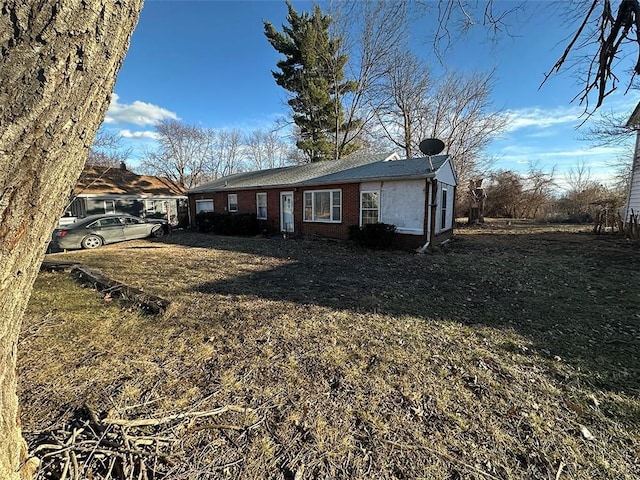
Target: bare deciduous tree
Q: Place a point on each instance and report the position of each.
(107, 150)
(405, 102)
(601, 32)
(225, 153)
(181, 153)
(463, 117)
(519, 195)
(456, 109)
(504, 194)
(582, 192)
(610, 128)
(265, 149)
(538, 193)
(57, 69)
(373, 32)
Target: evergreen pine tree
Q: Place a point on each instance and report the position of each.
(313, 71)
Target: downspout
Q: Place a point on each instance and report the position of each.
(429, 208)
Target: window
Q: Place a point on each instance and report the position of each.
(369, 207)
(261, 206)
(323, 206)
(443, 210)
(106, 222)
(150, 206)
(109, 206)
(232, 200)
(204, 206)
(155, 206)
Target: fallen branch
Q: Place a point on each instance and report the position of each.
(145, 422)
(102, 283)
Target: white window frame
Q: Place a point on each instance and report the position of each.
(362, 193)
(205, 200)
(258, 196)
(444, 199)
(149, 206)
(112, 209)
(229, 197)
(313, 206)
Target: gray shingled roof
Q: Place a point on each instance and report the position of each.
(407, 168)
(353, 168)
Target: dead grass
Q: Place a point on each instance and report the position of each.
(483, 360)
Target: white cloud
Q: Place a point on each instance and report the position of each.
(126, 133)
(137, 113)
(541, 118)
(606, 151)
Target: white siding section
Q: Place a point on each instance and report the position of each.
(402, 203)
(449, 208)
(445, 174)
(633, 201)
(634, 195)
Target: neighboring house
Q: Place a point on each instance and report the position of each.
(117, 190)
(632, 206)
(326, 198)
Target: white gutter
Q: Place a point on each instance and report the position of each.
(429, 207)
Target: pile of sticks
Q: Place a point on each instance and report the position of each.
(119, 449)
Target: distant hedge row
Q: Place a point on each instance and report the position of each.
(243, 224)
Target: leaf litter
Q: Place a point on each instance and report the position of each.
(489, 358)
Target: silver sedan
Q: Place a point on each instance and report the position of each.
(98, 230)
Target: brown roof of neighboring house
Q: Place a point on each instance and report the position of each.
(96, 180)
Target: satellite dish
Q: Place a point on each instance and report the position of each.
(431, 146)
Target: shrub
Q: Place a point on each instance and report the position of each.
(378, 236)
(204, 221)
(242, 224)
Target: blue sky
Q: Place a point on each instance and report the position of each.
(208, 63)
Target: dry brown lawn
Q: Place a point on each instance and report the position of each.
(512, 353)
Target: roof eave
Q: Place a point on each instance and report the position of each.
(237, 189)
(634, 119)
(387, 178)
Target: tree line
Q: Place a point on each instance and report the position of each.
(577, 196)
(190, 155)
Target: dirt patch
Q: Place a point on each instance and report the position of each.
(489, 358)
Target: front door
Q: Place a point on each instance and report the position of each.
(286, 212)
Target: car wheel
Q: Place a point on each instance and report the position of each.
(158, 232)
(91, 241)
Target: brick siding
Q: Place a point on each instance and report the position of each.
(350, 212)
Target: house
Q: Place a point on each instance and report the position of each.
(102, 189)
(326, 198)
(632, 207)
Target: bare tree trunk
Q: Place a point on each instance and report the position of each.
(58, 64)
